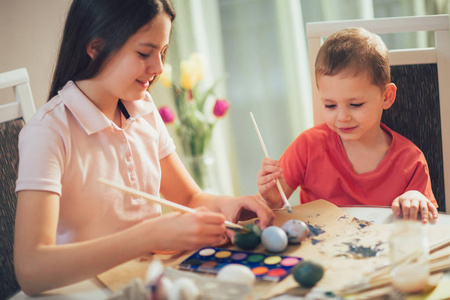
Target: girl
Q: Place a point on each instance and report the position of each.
(100, 121)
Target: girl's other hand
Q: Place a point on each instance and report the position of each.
(411, 203)
(188, 231)
(245, 208)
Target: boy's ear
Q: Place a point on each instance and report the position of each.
(94, 48)
(389, 95)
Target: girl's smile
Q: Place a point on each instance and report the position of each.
(144, 84)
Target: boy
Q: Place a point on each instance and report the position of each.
(353, 159)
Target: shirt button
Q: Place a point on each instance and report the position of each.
(123, 140)
(133, 178)
(128, 158)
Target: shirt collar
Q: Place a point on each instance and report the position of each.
(90, 117)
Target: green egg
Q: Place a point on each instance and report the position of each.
(307, 273)
(248, 240)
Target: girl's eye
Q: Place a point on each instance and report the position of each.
(143, 55)
(330, 105)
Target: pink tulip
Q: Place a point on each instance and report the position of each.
(167, 114)
(221, 107)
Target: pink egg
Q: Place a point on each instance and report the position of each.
(296, 231)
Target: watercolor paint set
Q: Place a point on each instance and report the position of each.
(269, 267)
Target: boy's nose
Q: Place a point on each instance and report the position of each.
(344, 115)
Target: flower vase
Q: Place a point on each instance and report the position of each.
(201, 168)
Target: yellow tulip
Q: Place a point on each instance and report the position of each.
(192, 70)
(166, 76)
(199, 62)
(188, 75)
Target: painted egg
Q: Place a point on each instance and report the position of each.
(250, 239)
(307, 273)
(164, 288)
(274, 239)
(237, 274)
(184, 289)
(296, 231)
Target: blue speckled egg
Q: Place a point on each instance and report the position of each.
(274, 239)
(296, 231)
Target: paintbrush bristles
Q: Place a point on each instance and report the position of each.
(263, 145)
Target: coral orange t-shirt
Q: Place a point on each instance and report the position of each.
(317, 162)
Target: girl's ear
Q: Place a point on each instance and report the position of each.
(389, 95)
(94, 48)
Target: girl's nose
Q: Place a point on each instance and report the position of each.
(156, 65)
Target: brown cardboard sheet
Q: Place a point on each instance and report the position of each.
(339, 244)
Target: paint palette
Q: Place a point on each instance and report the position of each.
(269, 267)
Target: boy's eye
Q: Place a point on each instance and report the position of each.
(356, 104)
(144, 55)
(330, 105)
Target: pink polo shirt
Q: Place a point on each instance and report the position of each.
(69, 143)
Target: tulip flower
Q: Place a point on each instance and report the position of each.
(197, 107)
(167, 114)
(188, 75)
(166, 76)
(221, 107)
(198, 61)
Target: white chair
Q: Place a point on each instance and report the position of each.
(13, 116)
(23, 106)
(425, 114)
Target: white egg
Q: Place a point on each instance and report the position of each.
(296, 231)
(164, 287)
(236, 273)
(184, 289)
(274, 239)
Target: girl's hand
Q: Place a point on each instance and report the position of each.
(244, 208)
(411, 203)
(188, 231)
(267, 182)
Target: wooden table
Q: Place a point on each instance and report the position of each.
(95, 289)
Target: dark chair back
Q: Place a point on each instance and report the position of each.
(416, 115)
(16, 109)
(9, 160)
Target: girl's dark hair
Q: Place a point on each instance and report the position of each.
(110, 21)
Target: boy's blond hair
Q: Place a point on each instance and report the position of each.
(355, 50)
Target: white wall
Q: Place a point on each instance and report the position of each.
(30, 33)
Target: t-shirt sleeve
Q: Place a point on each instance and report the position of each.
(293, 162)
(41, 159)
(421, 181)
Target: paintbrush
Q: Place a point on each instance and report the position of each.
(280, 189)
(173, 205)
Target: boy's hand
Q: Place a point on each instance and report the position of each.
(411, 203)
(266, 182)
